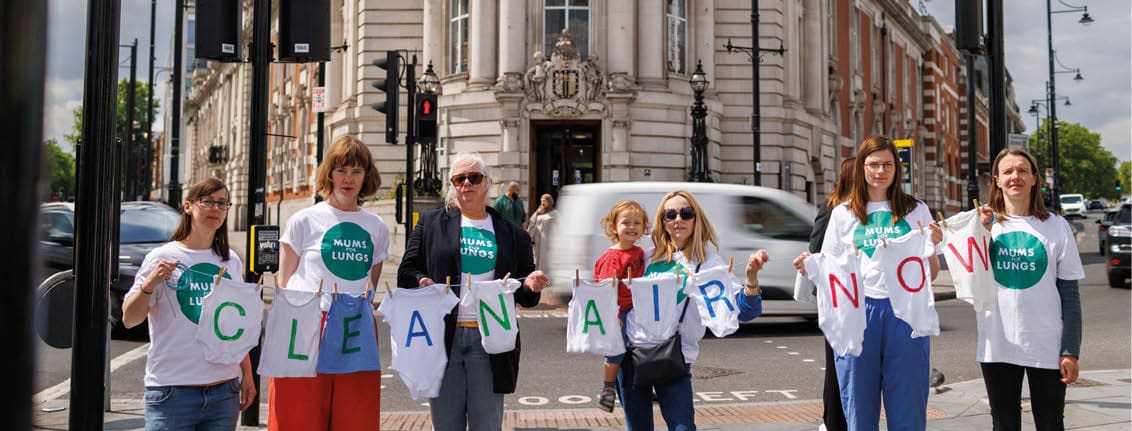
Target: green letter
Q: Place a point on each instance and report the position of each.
(347, 334)
(216, 321)
(291, 350)
(590, 305)
(505, 322)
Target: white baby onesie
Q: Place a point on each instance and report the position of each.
(494, 302)
(841, 300)
(231, 319)
(966, 247)
(905, 270)
(714, 291)
(655, 310)
(290, 342)
(593, 325)
(416, 336)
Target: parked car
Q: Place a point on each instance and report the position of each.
(1103, 224)
(144, 227)
(746, 218)
(1073, 205)
(1118, 255)
(1097, 204)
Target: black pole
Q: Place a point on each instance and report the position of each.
(146, 150)
(257, 155)
(972, 153)
(23, 42)
(92, 236)
(1051, 97)
(174, 107)
(410, 144)
(319, 137)
(129, 153)
(756, 127)
(884, 75)
(997, 79)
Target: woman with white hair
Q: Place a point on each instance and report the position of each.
(539, 227)
(469, 241)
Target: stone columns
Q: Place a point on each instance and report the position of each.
(813, 59)
(482, 70)
(433, 35)
(650, 56)
(512, 44)
(622, 49)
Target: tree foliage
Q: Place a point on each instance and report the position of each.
(60, 168)
(1087, 167)
(141, 95)
(1125, 176)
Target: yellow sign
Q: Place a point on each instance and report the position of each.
(901, 143)
(416, 217)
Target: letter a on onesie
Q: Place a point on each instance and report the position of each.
(905, 265)
(841, 311)
(290, 342)
(231, 318)
(966, 245)
(714, 291)
(592, 325)
(349, 338)
(416, 336)
(494, 302)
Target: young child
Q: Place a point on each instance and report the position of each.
(626, 223)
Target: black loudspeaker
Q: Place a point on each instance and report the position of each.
(969, 25)
(218, 30)
(304, 31)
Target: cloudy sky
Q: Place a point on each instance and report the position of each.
(1103, 52)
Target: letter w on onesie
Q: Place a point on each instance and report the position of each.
(967, 251)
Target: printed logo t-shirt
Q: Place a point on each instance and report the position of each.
(845, 230)
(478, 253)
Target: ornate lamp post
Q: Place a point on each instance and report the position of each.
(428, 179)
(1056, 162)
(699, 83)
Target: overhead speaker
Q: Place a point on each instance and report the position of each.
(969, 25)
(218, 30)
(304, 31)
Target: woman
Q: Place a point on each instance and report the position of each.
(681, 246)
(181, 387)
(1036, 268)
(891, 362)
(333, 243)
(469, 237)
(540, 226)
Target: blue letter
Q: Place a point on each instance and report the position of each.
(416, 317)
(718, 297)
(655, 302)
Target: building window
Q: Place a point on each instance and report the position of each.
(874, 54)
(831, 24)
(855, 42)
(458, 36)
(570, 14)
(677, 57)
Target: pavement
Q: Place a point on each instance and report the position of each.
(1100, 401)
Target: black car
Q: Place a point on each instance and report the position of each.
(1102, 228)
(1118, 254)
(1095, 205)
(144, 227)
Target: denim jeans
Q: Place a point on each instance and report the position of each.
(467, 399)
(675, 401)
(200, 408)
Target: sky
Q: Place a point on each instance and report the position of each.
(1103, 52)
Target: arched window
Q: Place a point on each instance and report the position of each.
(676, 53)
(458, 36)
(571, 14)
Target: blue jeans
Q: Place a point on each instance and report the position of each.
(200, 408)
(467, 399)
(675, 401)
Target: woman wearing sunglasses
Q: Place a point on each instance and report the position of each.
(337, 245)
(468, 240)
(182, 389)
(683, 241)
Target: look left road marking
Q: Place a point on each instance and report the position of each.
(64, 387)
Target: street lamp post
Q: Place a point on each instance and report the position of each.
(699, 83)
(1053, 139)
(754, 53)
(428, 182)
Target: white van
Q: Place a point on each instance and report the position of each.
(1072, 205)
(746, 218)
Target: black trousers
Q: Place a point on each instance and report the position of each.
(833, 415)
(1004, 390)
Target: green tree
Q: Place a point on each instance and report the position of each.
(60, 166)
(1086, 167)
(1125, 176)
(141, 95)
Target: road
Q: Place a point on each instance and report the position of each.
(773, 359)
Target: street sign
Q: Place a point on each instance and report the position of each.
(905, 154)
(1018, 140)
(1049, 175)
(904, 143)
(318, 99)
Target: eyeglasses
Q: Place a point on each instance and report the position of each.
(209, 203)
(474, 178)
(887, 166)
(686, 213)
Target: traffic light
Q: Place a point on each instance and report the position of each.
(1118, 186)
(391, 85)
(1045, 187)
(426, 117)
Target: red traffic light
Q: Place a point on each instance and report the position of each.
(426, 107)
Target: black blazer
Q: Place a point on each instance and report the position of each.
(434, 252)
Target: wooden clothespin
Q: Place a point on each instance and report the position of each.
(976, 202)
(942, 221)
(920, 225)
(628, 276)
(368, 281)
(275, 278)
(577, 278)
(320, 287)
(447, 284)
(856, 251)
(388, 290)
(469, 282)
(730, 263)
(506, 277)
(220, 275)
(883, 242)
(259, 284)
(335, 291)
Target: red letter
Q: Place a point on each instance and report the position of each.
(854, 296)
(972, 248)
(900, 274)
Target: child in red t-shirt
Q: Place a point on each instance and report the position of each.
(626, 223)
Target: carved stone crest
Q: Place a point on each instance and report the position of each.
(564, 85)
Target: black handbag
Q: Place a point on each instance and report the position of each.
(655, 366)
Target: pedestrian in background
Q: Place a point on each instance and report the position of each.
(539, 227)
(182, 389)
(334, 242)
(510, 207)
(468, 241)
(1035, 327)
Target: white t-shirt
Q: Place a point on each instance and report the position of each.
(290, 343)
(692, 329)
(336, 247)
(478, 252)
(713, 291)
(841, 308)
(966, 245)
(230, 322)
(494, 302)
(175, 358)
(907, 273)
(845, 230)
(592, 325)
(1028, 256)
(416, 336)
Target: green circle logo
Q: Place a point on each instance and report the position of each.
(661, 267)
(195, 283)
(347, 251)
(867, 236)
(1019, 259)
(477, 250)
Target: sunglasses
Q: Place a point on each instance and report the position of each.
(686, 213)
(474, 178)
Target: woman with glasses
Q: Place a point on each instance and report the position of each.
(1034, 329)
(469, 241)
(683, 241)
(892, 362)
(337, 245)
(182, 389)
